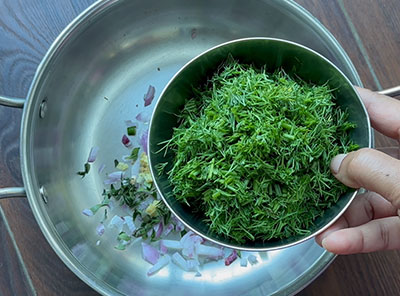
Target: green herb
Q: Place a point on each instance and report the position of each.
(116, 162)
(252, 153)
(120, 246)
(160, 167)
(132, 196)
(97, 207)
(123, 236)
(85, 171)
(131, 130)
(105, 216)
(134, 154)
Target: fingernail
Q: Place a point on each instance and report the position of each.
(323, 243)
(336, 162)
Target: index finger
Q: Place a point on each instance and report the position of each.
(383, 111)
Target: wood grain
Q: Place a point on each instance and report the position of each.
(10, 174)
(378, 25)
(330, 14)
(49, 275)
(363, 274)
(27, 28)
(13, 281)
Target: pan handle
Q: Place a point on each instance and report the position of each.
(393, 91)
(12, 192)
(12, 102)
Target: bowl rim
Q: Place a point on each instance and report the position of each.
(219, 242)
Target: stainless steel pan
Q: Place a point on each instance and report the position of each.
(113, 50)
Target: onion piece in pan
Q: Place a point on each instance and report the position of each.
(100, 229)
(149, 96)
(125, 140)
(93, 154)
(150, 254)
(162, 262)
(232, 257)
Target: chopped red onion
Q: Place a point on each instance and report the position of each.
(189, 242)
(162, 262)
(178, 224)
(170, 244)
(243, 261)
(197, 239)
(163, 249)
(130, 224)
(186, 237)
(87, 212)
(93, 154)
(100, 229)
(117, 222)
(252, 259)
(180, 227)
(158, 229)
(143, 117)
(110, 181)
(192, 264)
(149, 96)
(232, 257)
(180, 261)
(111, 205)
(116, 175)
(188, 245)
(189, 249)
(144, 139)
(168, 229)
(101, 168)
(125, 140)
(150, 254)
(211, 252)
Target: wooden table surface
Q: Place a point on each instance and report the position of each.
(369, 31)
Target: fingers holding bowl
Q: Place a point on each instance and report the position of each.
(372, 170)
(365, 207)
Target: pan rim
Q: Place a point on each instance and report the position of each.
(29, 180)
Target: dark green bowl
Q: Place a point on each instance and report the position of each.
(272, 53)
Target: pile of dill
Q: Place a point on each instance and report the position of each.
(252, 153)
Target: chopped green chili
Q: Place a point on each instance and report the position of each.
(130, 195)
(85, 171)
(131, 131)
(134, 154)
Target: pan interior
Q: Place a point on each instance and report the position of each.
(93, 80)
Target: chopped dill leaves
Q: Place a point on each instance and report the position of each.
(252, 153)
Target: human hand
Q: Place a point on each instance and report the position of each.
(371, 223)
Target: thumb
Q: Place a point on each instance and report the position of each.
(370, 169)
